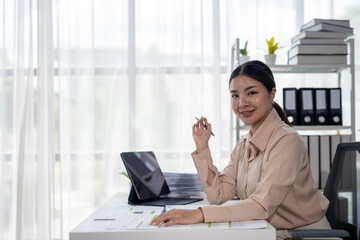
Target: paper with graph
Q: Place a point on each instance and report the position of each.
(140, 217)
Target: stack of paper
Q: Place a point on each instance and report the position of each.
(320, 41)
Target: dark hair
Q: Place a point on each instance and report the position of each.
(260, 72)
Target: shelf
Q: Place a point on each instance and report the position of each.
(312, 128)
(322, 68)
(322, 128)
(308, 69)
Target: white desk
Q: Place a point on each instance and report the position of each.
(91, 229)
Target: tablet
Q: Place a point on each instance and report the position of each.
(149, 186)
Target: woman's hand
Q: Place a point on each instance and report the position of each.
(201, 132)
(179, 216)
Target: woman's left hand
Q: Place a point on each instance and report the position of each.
(179, 216)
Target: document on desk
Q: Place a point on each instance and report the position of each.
(110, 212)
(117, 212)
(135, 219)
(140, 218)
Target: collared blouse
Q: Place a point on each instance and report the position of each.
(270, 173)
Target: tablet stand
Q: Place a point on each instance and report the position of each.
(133, 198)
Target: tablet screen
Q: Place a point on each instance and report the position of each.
(145, 174)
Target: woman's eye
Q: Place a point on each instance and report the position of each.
(234, 96)
(252, 93)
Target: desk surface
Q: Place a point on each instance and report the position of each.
(91, 229)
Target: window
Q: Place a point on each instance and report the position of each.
(124, 75)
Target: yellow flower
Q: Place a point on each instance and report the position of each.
(271, 47)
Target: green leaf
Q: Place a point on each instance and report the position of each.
(125, 174)
(244, 51)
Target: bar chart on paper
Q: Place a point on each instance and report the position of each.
(139, 217)
(135, 219)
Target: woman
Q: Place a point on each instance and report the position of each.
(269, 168)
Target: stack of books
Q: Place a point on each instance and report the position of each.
(321, 41)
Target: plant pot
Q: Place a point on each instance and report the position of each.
(244, 59)
(270, 59)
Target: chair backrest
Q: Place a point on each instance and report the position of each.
(341, 189)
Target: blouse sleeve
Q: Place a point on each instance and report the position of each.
(223, 187)
(279, 174)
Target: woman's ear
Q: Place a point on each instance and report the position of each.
(272, 94)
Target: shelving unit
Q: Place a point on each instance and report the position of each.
(302, 69)
(316, 129)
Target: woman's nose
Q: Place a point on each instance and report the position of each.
(242, 101)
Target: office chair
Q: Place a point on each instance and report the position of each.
(341, 190)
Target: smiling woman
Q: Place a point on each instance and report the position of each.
(81, 81)
(269, 168)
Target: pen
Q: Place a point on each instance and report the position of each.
(164, 209)
(206, 127)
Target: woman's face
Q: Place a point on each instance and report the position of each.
(250, 101)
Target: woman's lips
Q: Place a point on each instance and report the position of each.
(247, 114)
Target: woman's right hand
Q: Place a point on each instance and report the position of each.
(201, 132)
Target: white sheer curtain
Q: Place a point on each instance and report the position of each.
(91, 98)
(128, 76)
(26, 121)
(82, 81)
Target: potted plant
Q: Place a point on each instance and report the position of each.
(244, 54)
(270, 58)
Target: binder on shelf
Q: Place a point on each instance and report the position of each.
(314, 155)
(306, 106)
(305, 139)
(290, 103)
(324, 159)
(346, 175)
(335, 140)
(335, 109)
(345, 138)
(321, 106)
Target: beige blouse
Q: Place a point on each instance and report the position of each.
(270, 172)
